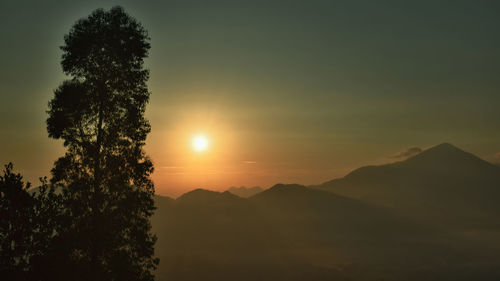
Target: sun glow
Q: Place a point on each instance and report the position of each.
(200, 143)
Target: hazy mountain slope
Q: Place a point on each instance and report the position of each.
(442, 184)
(445, 187)
(206, 235)
(352, 231)
(290, 232)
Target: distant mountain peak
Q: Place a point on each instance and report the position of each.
(204, 194)
(444, 149)
(281, 186)
(281, 189)
(441, 159)
(446, 154)
(445, 146)
(245, 192)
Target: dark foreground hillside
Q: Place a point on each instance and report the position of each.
(291, 232)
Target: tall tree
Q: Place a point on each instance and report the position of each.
(99, 113)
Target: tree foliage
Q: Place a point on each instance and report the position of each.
(30, 220)
(104, 175)
(16, 207)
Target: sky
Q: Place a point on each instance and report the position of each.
(284, 91)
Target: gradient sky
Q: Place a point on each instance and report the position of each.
(286, 91)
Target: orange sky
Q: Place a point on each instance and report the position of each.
(298, 93)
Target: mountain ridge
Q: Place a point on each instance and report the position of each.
(442, 183)
(431, 158)
(245, 192)
(408, 220)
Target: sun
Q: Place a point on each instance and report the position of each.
(200, 143)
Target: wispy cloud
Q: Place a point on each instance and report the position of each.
(173, 170)
(410, 151)
(171, 167)
(249, 162)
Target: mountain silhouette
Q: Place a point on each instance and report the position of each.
(245, 192)
(443, 184)
(203, 195)
(430, 217)
(291, 232)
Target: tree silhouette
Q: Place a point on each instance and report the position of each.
(29, 222)
(16, 207)
(104, 175)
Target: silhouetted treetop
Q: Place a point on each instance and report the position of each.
(110, 43)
